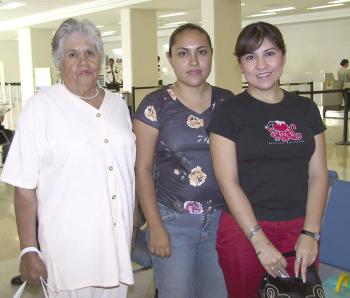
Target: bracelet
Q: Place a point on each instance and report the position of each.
(29, 249)
(313, 235)
(253, 231)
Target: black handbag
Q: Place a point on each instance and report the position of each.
(292, 287)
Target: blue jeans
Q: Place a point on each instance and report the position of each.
(192, 270)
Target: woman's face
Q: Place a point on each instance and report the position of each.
(191, 58)
(263, 67)
(81, 62)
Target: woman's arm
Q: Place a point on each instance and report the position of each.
(146, 138)
(223, 152)
(306, 247)
(31, 265)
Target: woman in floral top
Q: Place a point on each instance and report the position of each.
(182, 202)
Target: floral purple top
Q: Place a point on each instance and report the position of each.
(184, 175)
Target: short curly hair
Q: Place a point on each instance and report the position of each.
(70, 26)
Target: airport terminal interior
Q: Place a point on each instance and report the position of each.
(316, 34)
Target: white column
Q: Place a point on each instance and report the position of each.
(25, 63)
(222, 20)
(34, 47)
(139, 45)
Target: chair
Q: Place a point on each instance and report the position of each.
(335, 236)
(332, 176)
(140, 254)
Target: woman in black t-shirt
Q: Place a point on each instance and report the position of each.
(268, 150)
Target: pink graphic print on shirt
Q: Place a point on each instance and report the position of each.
(281, 131)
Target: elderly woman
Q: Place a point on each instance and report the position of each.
(72, 165)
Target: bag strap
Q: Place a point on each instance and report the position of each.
(20, 290)
(44, 286)
(289, 254)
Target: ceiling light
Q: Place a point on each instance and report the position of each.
(99, 26)
(175, 23)
(107, 33)
(261, 14)
(339, 1)
(279, 9)
(325, 6)
(168, 26)
(242, 4)
(12, 5)
(172, 14)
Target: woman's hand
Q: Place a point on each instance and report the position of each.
(32, 268)
(269, 256)
(306, 250)
(159, 243)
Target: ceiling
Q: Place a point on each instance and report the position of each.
(49, 14)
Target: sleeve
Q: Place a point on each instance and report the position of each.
(149, 109)
(22, 165)
(222, 121)
(316, 123)
(228, 94)
(220, 94)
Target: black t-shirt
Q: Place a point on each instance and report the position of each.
(184, 178)
(274, 144)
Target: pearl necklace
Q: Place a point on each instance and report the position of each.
(85, 97)
(91, 97)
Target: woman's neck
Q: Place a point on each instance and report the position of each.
(193, 94)
(273, 95)
(196, 98)
(81, 91)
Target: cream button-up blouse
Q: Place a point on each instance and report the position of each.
(80, 160)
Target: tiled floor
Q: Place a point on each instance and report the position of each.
(338, 159)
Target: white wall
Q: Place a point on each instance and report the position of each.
(109, 46)
(311, 47)
(315, 47)
(168, 75)
(9, 55)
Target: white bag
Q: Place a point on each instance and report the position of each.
(19, 292)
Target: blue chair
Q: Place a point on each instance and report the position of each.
(335, 231)
(332, 176)
(140, 254)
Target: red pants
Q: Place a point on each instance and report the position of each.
(239, 263)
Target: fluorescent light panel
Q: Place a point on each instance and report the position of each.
(339, 1)
(12, 5)
(168, 26)
(182, 13)
(279, 9)
(107, 33)
(325, 6)
(175, 23)
(261, 14)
